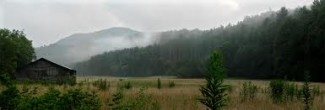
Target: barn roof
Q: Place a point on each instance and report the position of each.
(55, 64)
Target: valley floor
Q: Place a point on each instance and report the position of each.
(184, 95)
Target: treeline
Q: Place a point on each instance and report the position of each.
(282, 44)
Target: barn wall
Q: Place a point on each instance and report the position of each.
(45, 71)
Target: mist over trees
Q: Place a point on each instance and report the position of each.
(81, 46)
(282, 44)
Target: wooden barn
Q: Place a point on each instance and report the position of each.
(45, 70)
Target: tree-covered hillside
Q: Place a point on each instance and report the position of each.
(282, 44)
(82, 46)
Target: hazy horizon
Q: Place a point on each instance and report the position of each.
(45, 22)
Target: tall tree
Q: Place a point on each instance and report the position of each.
(15, 51)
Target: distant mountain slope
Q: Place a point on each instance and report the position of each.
(81, 46)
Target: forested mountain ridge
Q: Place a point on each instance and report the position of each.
(182, 53)
(79, 47)
(272, 45)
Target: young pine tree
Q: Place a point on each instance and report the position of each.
(307, 96)
(214, 92)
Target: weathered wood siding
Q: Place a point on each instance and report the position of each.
(45, 71)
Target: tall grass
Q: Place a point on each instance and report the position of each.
(183, 96)
(101, 84)
(248, 91)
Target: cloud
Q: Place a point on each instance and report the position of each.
(1, 13)
(46, 21)
(157, 17)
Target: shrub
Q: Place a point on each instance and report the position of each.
(12, 99)
(127, 85)
(117, 101)
(141, 101)
(171, 84)
(316, 90)
(9, 98)
(78, 100)
(27, 96)
(284, 91)
(277, 88)
(229, 88)
(81, 83)
(248, 91)
(75, 99)
(101, 84)
(292, 91)
(50, 100)
(299, 93)
(158, 83)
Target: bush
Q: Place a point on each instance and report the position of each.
(101, 84)
(158, 83)
(117, 101)
(248, 91)
(78, 100)
(49, 100)
(229, 88)
(81, 83)
(9, 98)
(277, 88)
(127, 85)
(141, 101)
(171, 84)
(291, 91)
(12, 99)
(316, 90)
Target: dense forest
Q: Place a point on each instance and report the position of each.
(282, 44)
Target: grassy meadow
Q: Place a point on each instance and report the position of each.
(182, 94)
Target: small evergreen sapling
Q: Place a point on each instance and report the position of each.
(307, 96)
(214, 92)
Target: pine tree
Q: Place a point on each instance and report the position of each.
(307, 96)
(214, 92)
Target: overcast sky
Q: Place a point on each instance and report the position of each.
(47, 21)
